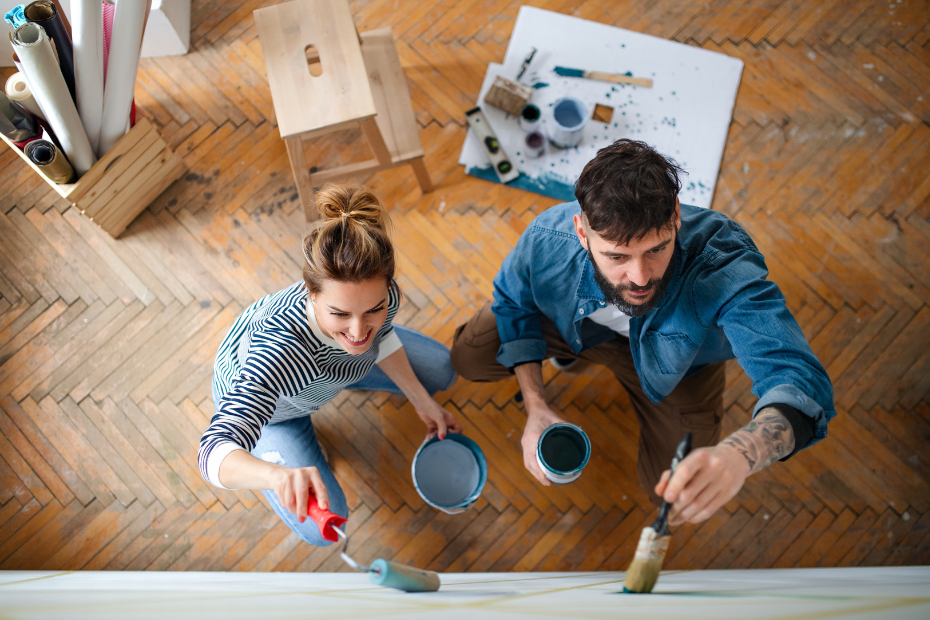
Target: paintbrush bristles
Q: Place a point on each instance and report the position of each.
(643, 573)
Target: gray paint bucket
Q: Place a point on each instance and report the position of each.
(449, 474)
(562, 452)
(569, 116)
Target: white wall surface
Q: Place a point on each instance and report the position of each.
(883, 592)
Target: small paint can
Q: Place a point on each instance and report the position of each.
(530, 118)
(569, 115)
(562, 452)
(450, 474)
(534, 144)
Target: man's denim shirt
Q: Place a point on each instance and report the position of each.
(718, 305)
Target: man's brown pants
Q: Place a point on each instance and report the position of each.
(696, 404)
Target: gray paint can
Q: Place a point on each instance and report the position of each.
(569, 116)
(562, 452)
(449, 474)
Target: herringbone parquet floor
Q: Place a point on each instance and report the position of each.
(106, 346)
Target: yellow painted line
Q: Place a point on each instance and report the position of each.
(11, 583)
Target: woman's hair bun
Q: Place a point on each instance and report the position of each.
(355, 202)
(352, 242)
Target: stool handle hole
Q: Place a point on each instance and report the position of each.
(313, 60)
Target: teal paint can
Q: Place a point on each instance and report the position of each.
(562, 452)
(449, 474)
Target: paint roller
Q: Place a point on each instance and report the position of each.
(381, 572)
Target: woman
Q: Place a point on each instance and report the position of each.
(291, 352)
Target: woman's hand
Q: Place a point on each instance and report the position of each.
(294, 485)
(437, 419)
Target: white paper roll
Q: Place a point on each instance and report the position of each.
(87, 33)
(48, 87)
(17, 89)
(122, 66)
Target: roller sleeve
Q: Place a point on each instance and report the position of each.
(400, 577)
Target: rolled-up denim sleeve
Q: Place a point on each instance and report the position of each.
(766, 339)
(518, 317)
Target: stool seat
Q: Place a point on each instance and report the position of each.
(360, 82)
(304, 103)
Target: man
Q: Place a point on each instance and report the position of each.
(662, 294)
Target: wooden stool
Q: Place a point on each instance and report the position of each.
(361, 83)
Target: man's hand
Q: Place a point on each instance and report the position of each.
(536, 422)
(709, 477)
(437, 419)
(704, 481)
(293, 487)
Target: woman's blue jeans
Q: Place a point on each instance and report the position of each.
(293, 443)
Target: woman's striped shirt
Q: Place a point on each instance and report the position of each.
(276, 364)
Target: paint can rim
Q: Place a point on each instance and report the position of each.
(480, 460)
(563, 476)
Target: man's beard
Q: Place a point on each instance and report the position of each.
(613, 294)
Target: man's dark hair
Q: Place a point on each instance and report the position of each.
(628, 190)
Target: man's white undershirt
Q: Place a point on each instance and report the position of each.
(614, 318)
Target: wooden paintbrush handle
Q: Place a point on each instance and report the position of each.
(616, 78)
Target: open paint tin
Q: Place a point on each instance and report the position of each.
(562, 452)
(569, 116)
(449, 474)
(534, 144)
(530, 118)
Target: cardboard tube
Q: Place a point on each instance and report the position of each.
(52, 161)
(17, 89)
(88, 66)
(122, 66)
(49, 88)
(16, 122)
(45, 14)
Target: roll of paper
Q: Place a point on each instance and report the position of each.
(87, 16)
(52, 161)
(45, 14)
(122, 66)
(16, 122)
(108, 11)
(35, 53)
(17, 89)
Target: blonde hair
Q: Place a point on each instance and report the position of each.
(352, 242)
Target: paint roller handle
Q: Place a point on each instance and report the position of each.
(327, 521)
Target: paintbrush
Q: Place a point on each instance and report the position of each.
(644, 571)
(603, 76)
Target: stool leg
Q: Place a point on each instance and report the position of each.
(376, 140)
(295, 153)
(419, 169)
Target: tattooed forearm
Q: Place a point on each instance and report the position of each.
(766, 439)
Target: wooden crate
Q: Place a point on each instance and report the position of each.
(124, 181)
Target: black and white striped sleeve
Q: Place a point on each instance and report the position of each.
(274, 367)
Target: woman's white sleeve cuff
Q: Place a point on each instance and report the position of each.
(390, 344)
(217, 455)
